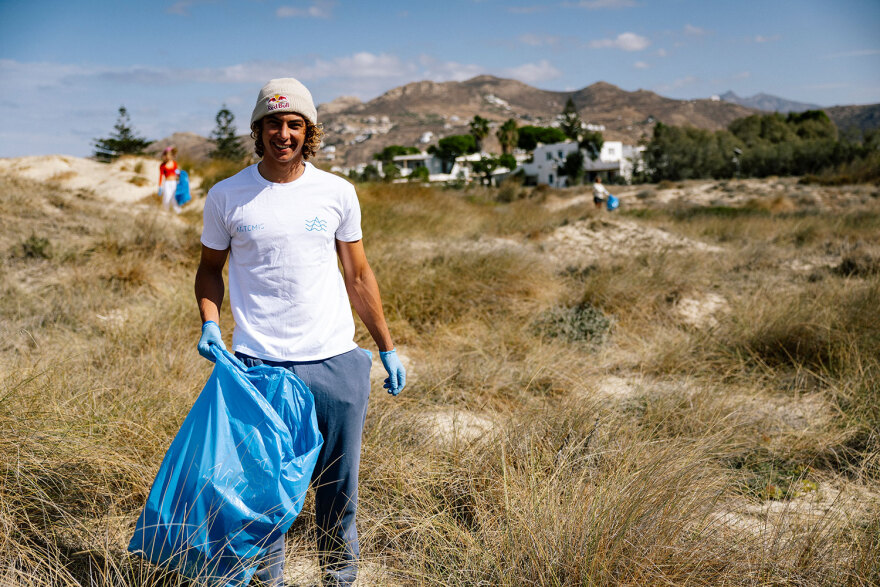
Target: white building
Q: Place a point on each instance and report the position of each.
(615, 160)
(437, 171)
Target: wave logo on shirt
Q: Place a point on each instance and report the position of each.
(316, 224)
(278, 101)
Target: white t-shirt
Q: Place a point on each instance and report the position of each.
(599, 191)
(287, 295)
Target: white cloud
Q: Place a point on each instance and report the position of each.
(763, 39)
(602, 4)
(641, 65)
(859, 53)
(317, 9)
(694, 31)
(31, 76)
(526, 9)
(829, 86)
(624, 41)
(531, 73)
(442, 71)
(677, 84)
(181, 7)
(660, 53)
(358, 65)
(534, 40)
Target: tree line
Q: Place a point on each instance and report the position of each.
(125, 141)
(805, 144)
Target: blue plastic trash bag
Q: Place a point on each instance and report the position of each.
(182, 194)
(612, 202)
(235, 476)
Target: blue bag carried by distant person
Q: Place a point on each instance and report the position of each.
(612, 202)
(235, 476)
(182, 194)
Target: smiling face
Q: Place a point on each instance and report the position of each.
(283, 136)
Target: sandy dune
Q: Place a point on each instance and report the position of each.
(127, 180)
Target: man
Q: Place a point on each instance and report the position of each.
(599, 192)
(282, 223)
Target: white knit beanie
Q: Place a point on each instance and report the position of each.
(285, 95)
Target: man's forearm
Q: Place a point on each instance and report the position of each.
(364, 295)
(209, 294)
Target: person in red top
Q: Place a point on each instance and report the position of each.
(168, 174)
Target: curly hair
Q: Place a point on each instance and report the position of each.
(314, 136)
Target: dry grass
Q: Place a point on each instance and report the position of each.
(737, 445)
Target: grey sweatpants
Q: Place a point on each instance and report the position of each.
(341, 387)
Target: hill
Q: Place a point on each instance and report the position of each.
(404, 114)
(859, 119)
(769, 103)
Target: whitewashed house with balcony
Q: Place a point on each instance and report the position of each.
(615, 160)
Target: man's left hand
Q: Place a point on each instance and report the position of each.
(396, 379)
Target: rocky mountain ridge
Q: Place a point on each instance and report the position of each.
(768, 103)
(405, 114)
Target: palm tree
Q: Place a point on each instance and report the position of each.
(571, 123)
(479, 130)
(508, 135)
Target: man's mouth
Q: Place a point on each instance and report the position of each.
(281, 147)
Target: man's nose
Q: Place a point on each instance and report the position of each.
(284, 130)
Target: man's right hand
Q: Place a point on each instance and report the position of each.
(210, 335)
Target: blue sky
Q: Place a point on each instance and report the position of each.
(67, 66)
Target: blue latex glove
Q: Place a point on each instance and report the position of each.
(210, 335)
(396, 379)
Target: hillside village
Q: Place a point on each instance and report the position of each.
(545, 164)
(405, 126)
(420, 114)
(616, 163)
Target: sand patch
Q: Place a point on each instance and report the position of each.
(451, 425)
(425, 249)
(827, 505)
(303, 571)
(614, 387)
(589, 240)
(699, 311)
(555, 204)
(128, 179)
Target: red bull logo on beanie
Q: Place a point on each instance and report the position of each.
(278, 101)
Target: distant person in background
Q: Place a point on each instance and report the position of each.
(168, 174)
(599, 192)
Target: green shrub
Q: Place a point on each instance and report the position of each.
(767, 478)
(35, 247)
(858, 265)
(581, 323)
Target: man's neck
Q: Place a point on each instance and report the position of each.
(283, 173)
